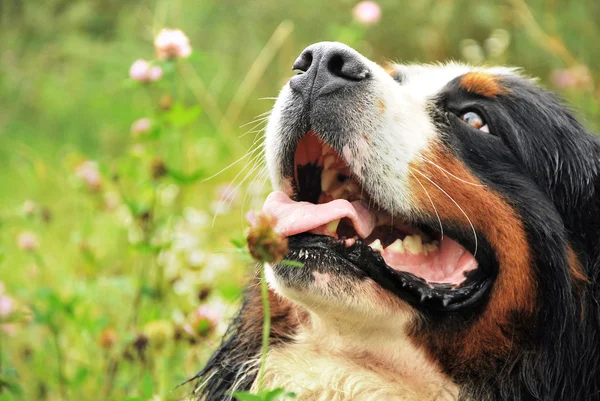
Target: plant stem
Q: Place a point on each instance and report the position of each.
(266, 326)
(60, 361)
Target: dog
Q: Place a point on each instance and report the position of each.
(447, 220)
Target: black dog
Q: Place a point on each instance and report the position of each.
(447, 217)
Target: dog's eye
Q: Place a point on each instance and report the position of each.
(475, 120)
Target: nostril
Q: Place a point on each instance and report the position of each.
(335, 64)
(347, 66)
(303, 62)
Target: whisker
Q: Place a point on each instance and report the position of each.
(449, 173)
(254, 130)
(256, 118)
(458, 206)
(432, 204)
(228, 167)
(237, 187)
(255, 156)
(262, 176)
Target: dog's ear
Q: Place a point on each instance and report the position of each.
(234, 365)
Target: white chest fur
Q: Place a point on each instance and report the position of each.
(326, 367)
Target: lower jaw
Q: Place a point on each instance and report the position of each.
(327, 255)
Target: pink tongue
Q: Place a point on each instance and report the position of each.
(299, 217)
(448, 264)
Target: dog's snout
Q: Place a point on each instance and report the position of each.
(326, 67)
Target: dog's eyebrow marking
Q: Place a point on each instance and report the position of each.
(483, 84)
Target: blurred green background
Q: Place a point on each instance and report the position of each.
(120, 250)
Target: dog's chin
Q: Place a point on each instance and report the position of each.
(331, 289)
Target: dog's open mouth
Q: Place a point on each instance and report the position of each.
(331, 212)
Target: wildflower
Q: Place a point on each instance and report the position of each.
(140, 126)
(138, 150)
(167, 194)
(172, 43)
(227, 193)
(264, 243)
(108, 338)
(367, 12)
(203, 321)
(196, 258)
(143, 71)
(88, 171)
(196, 218)
(27, 241)
(574, 77)
(6, 306)
(159, 333)
(29, 207)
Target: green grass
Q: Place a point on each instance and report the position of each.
(104, 307)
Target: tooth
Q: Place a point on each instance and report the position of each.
(327, 179)
(333, 226)
(329, 161)
(324, 150)
(397, 246)
(376, 246)
(413, 244)
(431, 247)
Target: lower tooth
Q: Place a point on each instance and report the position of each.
(376, 246)
(333, 226)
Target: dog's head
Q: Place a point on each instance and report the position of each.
(451, 205)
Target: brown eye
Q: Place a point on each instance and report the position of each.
(475, 121)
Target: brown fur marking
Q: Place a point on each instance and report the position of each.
(285, 315)
(515, 288)
(483, 84)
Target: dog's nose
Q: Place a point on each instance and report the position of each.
(326, 67)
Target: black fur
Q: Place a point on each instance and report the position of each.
(547, 166)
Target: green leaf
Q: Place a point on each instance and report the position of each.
(147, 386)
(264, 395)
(239, 243)
(292, 263)
(245, 396)
(279, 394)
(180, 116)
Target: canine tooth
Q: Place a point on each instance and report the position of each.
(397, 246)
(324, 150)
(376, 246)
(413, 244)
(327, 179)
(333, 226)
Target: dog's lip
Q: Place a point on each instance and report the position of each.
(362, 262)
